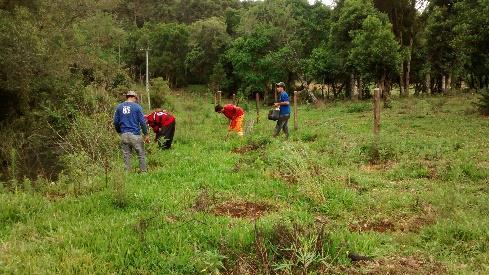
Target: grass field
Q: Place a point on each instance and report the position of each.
(418, 202)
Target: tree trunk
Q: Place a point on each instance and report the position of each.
(449, 82)
(334, 89)
(322, 89)
(408, 62)
(353, 85)
(360, 90)
(401, 74)
(428, 83)
(383, 89)
(443, 84)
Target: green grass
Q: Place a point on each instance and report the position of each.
(426, 197)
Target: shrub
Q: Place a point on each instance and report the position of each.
(161, 94)
(483, 104)
(378, 152)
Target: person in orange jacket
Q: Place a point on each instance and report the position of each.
(163, 124)
(236, 116)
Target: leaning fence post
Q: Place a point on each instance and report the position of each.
(376, 113)
(257, 97)
(296, 125)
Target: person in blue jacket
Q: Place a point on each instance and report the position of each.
(128, 122)
(284, 104)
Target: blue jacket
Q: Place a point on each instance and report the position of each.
(129, 118)
(284, 109)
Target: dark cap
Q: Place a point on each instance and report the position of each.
(280, 84)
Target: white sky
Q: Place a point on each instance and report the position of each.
(421, 5)
(327, 2)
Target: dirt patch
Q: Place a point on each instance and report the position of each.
(377, 226)
(406, 223)
(236, 208)
(415, 223)
(397, 265)
(246, 148)
(241, 209)
(204, 201)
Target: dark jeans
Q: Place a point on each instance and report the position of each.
(167, 133)
(282, 123)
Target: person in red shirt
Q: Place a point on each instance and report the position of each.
(163, 124)
(236, 116)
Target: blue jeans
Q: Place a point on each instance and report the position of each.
(130, 141)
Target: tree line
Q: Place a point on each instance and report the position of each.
(66, 60)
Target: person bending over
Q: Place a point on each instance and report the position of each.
(235, 115)
(163, 124)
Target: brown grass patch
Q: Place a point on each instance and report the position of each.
(241, 209)
(55, 196)
(377, 226)
(246, 148)
(236, 208)
(405, 223)
(397, 265)
(204, 201)
(244, 266)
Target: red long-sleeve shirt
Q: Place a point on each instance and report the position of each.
(231, 111)
(157, 120)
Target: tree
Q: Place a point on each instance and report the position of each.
(347, 18)
(324, 65)
(442, 54)
(169, 45)
(48, 56)
(471, 40)
(374, 50)
(208, 40)
(267, 49)
(404, 19)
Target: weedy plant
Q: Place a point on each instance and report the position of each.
(483, 104)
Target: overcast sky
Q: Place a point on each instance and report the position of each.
(421, 5)
(327, 2)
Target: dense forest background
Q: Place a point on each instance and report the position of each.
(64, 64)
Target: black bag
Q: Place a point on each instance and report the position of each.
(274, 114)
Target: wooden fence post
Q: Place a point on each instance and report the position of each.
(234, 99)
(257, 97)
(296, 126)
(219, 97)
(376, 113)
